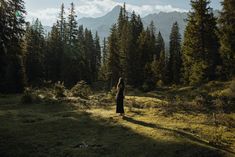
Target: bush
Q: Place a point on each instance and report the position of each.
(59, 89)
(27, 97)
(147, 86)
(159, 83)
(112, 93)
(232, 88)
(81, 89)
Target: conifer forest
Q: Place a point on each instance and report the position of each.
(58, 88)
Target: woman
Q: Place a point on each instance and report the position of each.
(120, 96)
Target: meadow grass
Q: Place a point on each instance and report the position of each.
(149, 129)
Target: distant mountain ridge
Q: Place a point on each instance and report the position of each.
(163, 22)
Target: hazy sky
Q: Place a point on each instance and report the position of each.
(47, 10)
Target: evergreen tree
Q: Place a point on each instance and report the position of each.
(175, 62)
(104, 54)
(96, 57)
(145, 58)
(200, 46)
(62, 24)
(71, 71)
(159, 63)
(104, 67)
(124, 35)
(113, 57)
(227, 37)
(34, 55)
(133, 56)
(12, 29)
(72, 27)
(54, 55)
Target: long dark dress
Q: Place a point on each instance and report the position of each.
(119, 99)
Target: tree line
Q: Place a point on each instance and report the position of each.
(29, 57)
(70, 53)
(206, 53)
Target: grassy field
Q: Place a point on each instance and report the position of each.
(168, 122)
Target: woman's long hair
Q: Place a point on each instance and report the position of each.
(121, 83)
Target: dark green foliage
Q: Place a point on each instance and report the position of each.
(175, 58)
(227, 38)
(72, 52)
(53, 55)
(114, 67)
(12, 72)
(158, 64)
(34, 53)
(200, 47)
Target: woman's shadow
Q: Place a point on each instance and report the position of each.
(176, 132)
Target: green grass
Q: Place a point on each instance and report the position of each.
(65, 129)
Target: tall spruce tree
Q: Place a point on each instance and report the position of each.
(34, 55)
(113, 57)
(104, 67)
(12, 25)
(145, 58)
(200, 46)
(96, 57)
(70, 72)
(175, 58)
(227, 37)
(159, 62)
(133, 56)
(54, 54)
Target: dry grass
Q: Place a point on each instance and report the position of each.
(164, 123)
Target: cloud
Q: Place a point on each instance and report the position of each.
(148, 9)
(96, 8)
(46, 16)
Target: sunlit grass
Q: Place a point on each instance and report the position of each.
(63, 127)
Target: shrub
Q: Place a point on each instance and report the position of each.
(59, 89)
(81, 89)
(159, 83)
(232, 88)
(27, 97)
(112, 93)
(147, 86)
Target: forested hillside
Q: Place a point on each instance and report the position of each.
(59, 92)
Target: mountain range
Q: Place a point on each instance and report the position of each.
(162, 20)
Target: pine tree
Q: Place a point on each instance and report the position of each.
(175, 62)
(71, 71)
(123, 31)
(145, 58)
(104, 54)
(133, 56)
(104, 67)
(96, 56)
(12, 24)
(113, 57)
(54, 55)
(4, 40)
(159, 63)
(200, 46)
(34, 55)
(72, 27)
(227, 38)
(62, 24)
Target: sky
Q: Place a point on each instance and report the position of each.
(47, 10)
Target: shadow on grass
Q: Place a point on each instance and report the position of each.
(72, 133)
(175, 131)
